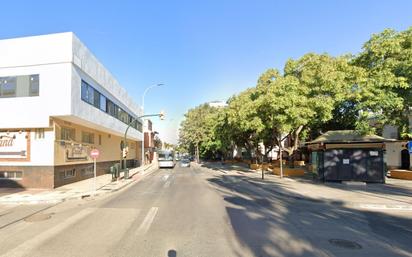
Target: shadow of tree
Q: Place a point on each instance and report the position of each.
(273, 221)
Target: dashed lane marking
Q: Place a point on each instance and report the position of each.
(147, 222)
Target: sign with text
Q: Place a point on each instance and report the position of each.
(13, 145)
(410, 147)
(94, 153)
(76, 152)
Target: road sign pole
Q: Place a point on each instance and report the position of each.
(94, 171)
(94, 154)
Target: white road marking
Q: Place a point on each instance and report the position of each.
(399, 207)
(167, 184)
(165, 177)
(223, 171)
(31, 244)
(144, 227)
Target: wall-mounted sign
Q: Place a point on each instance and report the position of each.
(345, 161)
(76, 152)
(14, 146)
(373, 153)
(410, 147)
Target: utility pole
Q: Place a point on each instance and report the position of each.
(143, 96)
(161, 115)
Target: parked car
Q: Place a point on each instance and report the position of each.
(185, 163)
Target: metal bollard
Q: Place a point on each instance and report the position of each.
(126, 173)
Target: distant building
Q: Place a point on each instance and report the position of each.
(149, 145)
(217, 104)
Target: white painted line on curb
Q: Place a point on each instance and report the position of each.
(223, 171)
(386, 207)
(27, 247)
(144, 227)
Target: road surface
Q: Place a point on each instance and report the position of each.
(202, 213)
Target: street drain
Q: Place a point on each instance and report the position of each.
(38, 217)
(342, 243)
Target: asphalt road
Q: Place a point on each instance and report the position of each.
(202, 213)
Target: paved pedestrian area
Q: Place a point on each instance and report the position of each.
(77, 190)
(394, 195)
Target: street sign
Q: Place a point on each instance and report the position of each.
(94, 153)
(410, 147)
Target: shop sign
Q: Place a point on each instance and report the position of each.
(76, 152)
(13, 145)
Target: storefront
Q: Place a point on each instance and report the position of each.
(348, 156)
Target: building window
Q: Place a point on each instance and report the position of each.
(88, 171)
(84, 94)
(98, 100)
(103, 103)
(68, 134)
(87, 137)
(39, 133)
(66, 174)
(15, 175)
(111, 108)
(100, 139)
(19, 86)
(8, 87)
(34, 85)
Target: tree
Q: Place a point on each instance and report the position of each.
(387, 58)
(333, 87)
(197, 130)
(157, 142)
(244, 122)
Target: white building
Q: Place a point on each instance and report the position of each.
(57, 102)
(217, 104)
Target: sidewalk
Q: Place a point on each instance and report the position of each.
(77, 190)
(394, 195)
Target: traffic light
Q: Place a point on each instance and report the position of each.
(124, 152)
(162, 115)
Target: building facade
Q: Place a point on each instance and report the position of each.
(149, 146)
(57, 103)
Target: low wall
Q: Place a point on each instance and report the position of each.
(289, 171)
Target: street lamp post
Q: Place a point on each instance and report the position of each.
(144, 94)
(124, 152)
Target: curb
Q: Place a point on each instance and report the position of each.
(365, 206)
(145, 172)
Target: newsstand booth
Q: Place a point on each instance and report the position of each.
(348, 156)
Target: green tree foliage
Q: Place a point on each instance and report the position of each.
(203, 131)
(314, 94)
(387, 59)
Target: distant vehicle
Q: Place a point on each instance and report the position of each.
(166, 159)
(185, 162)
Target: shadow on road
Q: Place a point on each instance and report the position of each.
(272, 221)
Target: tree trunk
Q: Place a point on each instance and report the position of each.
(281, 161)
(197, 153)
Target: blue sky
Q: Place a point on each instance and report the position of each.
(203, 50)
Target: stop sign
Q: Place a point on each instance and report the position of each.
(94, 153)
